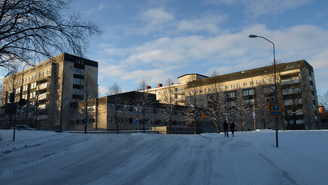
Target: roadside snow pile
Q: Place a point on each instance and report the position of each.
(25, 138)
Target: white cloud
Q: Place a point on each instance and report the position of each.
(94, 10)
(261, 7)
(102, 91)
(157, 16)
(225, 53)
(208, 23)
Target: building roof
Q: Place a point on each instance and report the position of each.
(267, 70)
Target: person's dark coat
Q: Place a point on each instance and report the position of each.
(232, 127)
(225, 125)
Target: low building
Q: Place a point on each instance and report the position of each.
(127, 110)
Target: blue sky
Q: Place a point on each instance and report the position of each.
(161, 39)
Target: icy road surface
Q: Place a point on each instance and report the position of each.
(161, 159)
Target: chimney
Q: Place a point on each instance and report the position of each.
(148, 87)
(322, 109)
(159, 85)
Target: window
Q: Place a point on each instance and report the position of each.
(78, 81)
(265, 80)
(232, 86)
(79, 61)
(271, 79)
(230, 94)
(257, 81)
(18, 90)
(201, 91)
(251, 83)
(159, 92)
(78, 91)
(33, 85)
(48, 71)
(248, 101)
(209, 89)
(29, 78)
(32, 94)
(226, 87)
(245, 84)
(78, 71)
(25, 87)
(248, 92)
(238, 85)
(221, 87)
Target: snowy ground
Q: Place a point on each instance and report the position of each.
(38, 157)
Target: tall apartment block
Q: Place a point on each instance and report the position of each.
(51, 87)
(296, 91)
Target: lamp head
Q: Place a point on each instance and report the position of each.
(252, 36)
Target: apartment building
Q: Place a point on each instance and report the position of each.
(51, 88)
(252, 90)
(174, 93)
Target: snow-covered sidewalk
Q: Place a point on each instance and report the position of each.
(25, 138)
(248, 158)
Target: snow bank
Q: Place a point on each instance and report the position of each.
(26, 138)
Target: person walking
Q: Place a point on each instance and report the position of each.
(225, 127)
(232, 128)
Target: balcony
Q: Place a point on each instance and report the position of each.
(297, 113)
(290, 102)
(290, 81)
(290, 91)
(42, 106)
(43, 96)
(179, 92)
(179, 100)
(44, 86)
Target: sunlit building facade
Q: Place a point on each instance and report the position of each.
(49, 88)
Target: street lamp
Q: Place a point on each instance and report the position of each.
(22, 90)
(275, 78)
(23, 80)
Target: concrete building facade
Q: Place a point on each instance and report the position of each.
(254, 89)
(121, 112)
(51, 88)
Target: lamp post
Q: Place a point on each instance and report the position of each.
(275, 78)
(22, 90)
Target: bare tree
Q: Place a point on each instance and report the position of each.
(169, 103)
(241, 110)
(32, 30)
(216, 102)
(118, 104)
(89, 98)
(194, 103)
(323, 99)
(144, 103)
(262, 103)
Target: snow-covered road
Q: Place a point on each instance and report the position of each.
(159, 159)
